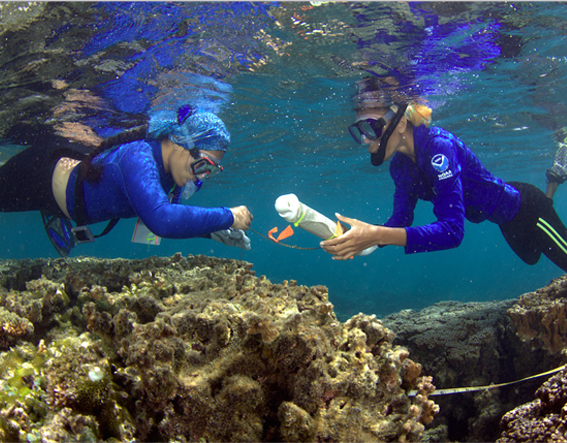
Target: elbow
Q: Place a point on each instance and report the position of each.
(456, 236)
(160, 231)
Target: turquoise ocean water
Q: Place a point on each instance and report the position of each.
(281, 76)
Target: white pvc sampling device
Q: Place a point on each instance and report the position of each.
(290, 208)
(293, 211)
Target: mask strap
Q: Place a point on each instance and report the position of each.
(195, 153)
(378, 158)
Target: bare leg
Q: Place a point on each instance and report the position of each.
(551, 188)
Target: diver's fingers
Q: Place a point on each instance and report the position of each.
(331, 244)
(347, 220)
(337, 245)
(328, 243)
(338, 257)
(342, 256)
(341, 251)
(353, 222)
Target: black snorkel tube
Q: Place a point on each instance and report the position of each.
(378, 157)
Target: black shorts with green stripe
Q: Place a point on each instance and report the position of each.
(536, 228)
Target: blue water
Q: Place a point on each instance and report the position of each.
(281, 76)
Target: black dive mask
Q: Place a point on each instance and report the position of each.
(378, 157)
(205, 165)
(370, 128)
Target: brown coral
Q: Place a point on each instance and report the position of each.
(200, 348)
(544, 419)
(13, 327)
(540, 317)
(264, 327)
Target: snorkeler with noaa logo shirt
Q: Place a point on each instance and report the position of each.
(430, 163)
(148, 172)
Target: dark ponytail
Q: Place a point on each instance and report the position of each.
(93, 173)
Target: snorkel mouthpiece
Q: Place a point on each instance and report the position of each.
(377, 158)
(190, 188)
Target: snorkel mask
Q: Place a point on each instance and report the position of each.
(204, 165)
(377, 158)
(370, 128)
(378, 92)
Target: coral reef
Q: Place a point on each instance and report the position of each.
(538, 320)
(466, 344)
(458, 342)
(194, 348)
(540, 317)
(478, 344)
(544, 419)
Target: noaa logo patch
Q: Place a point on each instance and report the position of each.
(440, 163)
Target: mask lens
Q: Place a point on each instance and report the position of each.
(356, 134)
(205, 166)
(369, 128)
(372, 129)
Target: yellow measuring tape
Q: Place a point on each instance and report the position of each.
(480, 388)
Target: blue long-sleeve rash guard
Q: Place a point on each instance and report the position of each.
(134, 183)
(449, 175)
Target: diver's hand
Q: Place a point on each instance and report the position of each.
(357, 239)
(242, 218)
(232, 237)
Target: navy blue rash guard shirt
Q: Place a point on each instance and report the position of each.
(134, 183)
(449, 175)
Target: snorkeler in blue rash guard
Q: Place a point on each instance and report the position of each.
(430, 163)
(143, 173)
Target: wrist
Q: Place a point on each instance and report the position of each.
(391, 236)
(376, 236)
(232, 216)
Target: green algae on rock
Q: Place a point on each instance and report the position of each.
(195, 348)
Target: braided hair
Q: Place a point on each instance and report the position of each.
(93, 173)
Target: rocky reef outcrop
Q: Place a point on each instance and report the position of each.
(542, 420)
(540, 317)
(539, 320)
(194, 348)
(462, 345)
(480, 344)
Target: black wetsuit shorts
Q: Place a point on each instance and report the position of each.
(536, 228)
(25, 180)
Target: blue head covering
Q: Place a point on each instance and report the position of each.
(201, 130)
